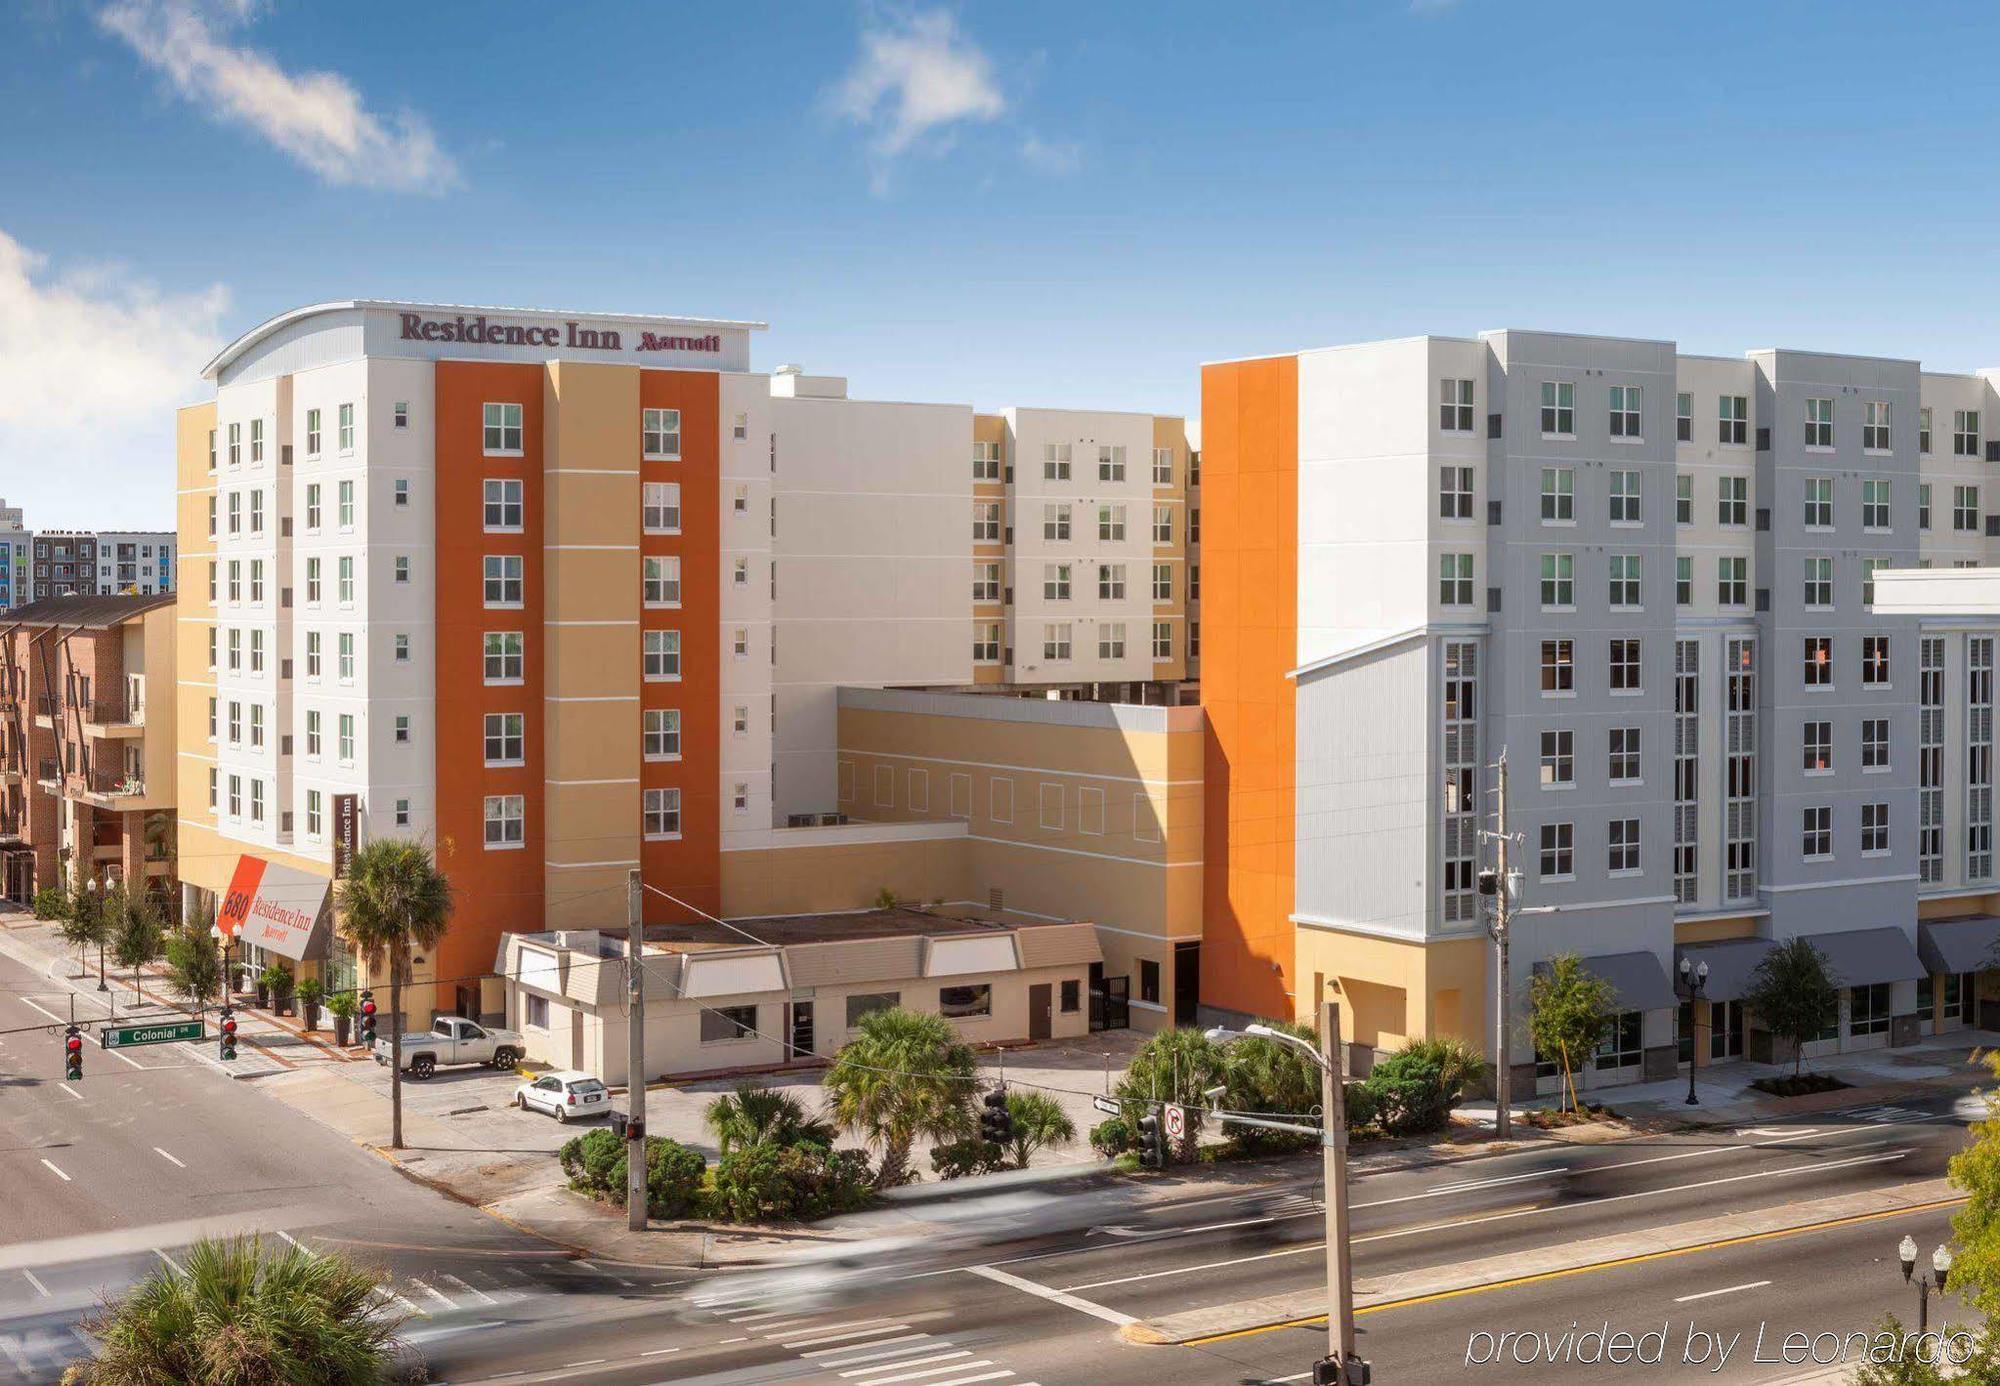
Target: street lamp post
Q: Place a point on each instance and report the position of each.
(1695, 980)
(91, 886)
(1906, 1252)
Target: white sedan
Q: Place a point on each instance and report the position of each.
(566, 1095)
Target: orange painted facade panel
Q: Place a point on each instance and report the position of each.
(1249, 643)
(496, 891)
(690, 867)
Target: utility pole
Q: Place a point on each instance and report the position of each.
(635, 1057)
(1333, 1147)
(1503, 906)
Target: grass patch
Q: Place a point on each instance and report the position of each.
(1789, 1085)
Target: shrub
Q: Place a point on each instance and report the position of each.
(595, 1164)
(52, 902)
(1270, 1077)
(1409, 1094)
(1359, 1099)
(1461, 1068)
(1176, 1066)
(771, 1183)
(1113, 1137)
(971, 1156)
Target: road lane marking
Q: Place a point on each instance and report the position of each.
(1082, 1306)
(875, 1329)
(658, 1352)
(36, 1281)
(168, 1158)
(915, 1362)
(286, 1235)
(437, 1295)
(588, 1362)
(71, 1091)
(169, 1260)
(1711, 1294)
(957, 1380)
(469, 1289)
(941, 1371)
(867, 1352)
(58, 1173)
(727, 1341)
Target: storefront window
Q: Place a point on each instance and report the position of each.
(1868, 1010)
(1621, 1046)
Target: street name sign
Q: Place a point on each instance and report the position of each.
(127, 1036)
(1107, 1105)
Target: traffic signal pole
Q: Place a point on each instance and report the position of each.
(1340, 1341)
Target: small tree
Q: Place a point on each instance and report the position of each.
(1177, 1066)
(906, 1075)
(1569, 1009)
(1795, 994)
(1276, 1079)
(1039, 1122)
(85, 924)
(1976, 1226)
(137, 935)
(194, 967)
(754, 1114)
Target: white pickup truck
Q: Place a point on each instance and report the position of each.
(454, 1040)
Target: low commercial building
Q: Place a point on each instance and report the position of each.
(765, 993)
(87, 743)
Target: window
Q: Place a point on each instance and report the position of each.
(1056, 641)
(502, 428)
(1111, 582)
(1558, 581)
(986, 521)
(312, 654)
(344, 738)
(1818, 667)
(662, 507)
(312, 508)
(1055, 522)
(235, 650)
(1732, 500)
(211, 517)
(1163, 640)
(1558, 495)
(211, 470)
(235, 796)
(1072, 996)
(346, 494)
(985, 461)
(1558, 409)
(1875, 743)
(1923, 505)
(1163, 466)
(506, 738)
(1965, 509)
(1683, 580)
(256, 726)
(1875, 426)
(503, 579)
(1623, 754)
(861, 1005)
(1558, 759)
(1625, 580)
(986, 642)
(1684, 418)
(1163, 582)
(402, 730)
(1163, 525)
(1819, 502)
(1557, 859)
(739, 642)
(1625, 411)
(662, 734)
(1816, 748)
(1732, 414)
(740, 572)
(1110, 462)
(1455, 493)
(236, 445)
(235, 580)
(214, 776)
(1816, 833)
(1625, 666)
(402, 414)
(663, 813)
(726, 1024)
(400, 570)
(1455, 406)
(503, 652)
(661, 433)
(1875, 505)
(968, 1002)
(1055, 461)
(257, 511)
(1924, 431)
(346, 639)
(1683, 500)
(503, 505)
(1622, 840)
(1455, 579)
(256, 801)
(312, 734)
(1819, 582)
(739, 720)
(346, 580)
(1868, 1009)
(346, 416)
(663, 655)
(235, 512)
(1055, 582)
(1732, 581)
(402, 493)
(986, 582)
(1625, 498)
(1819, 423)
(256, 651)
(1558, 666)
(1111, 640)
(661, 580)
(1875, 661)
(1965, 433)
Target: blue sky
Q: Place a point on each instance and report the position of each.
(1027, 203)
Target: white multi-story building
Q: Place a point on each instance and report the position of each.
(17, 543)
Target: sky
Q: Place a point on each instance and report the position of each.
(1025, 203)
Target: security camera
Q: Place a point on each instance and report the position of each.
(1214, 1095)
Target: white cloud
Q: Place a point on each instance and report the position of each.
(916, 76)
(95, 362)
(1058, 157)
(315, 117)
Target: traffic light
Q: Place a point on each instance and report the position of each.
(367, 1020)
(996, 1123)
(226, 1033)
(73, 1054)
(1152, 1142)
(1328, 1371)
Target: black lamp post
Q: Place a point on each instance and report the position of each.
(1906, 1252)
(1694, 980)
(91, 886)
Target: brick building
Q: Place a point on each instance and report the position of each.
(87, 742)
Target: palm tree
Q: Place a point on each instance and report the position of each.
(393, 901)
(246, 1317)
(1038, 1121)
(754, 1114)
(907, 1074)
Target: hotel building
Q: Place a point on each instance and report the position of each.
(572, 594)
(1646, 577)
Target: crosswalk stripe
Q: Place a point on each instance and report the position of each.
(911, 1362)
(866, 1352)
(437, 1295)
(469, 1289)
(874, 1330)
(937, 1371)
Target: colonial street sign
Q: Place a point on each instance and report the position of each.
(1107, 1105)
(126, 1036)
